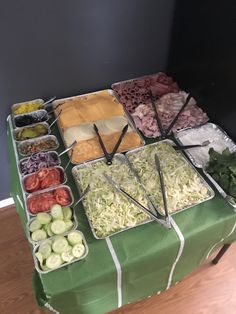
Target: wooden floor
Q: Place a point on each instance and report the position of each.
(211, 289)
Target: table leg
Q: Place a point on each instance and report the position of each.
(221, 253)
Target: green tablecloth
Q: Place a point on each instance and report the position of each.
(132, 265)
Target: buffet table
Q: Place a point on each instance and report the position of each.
(131, 265)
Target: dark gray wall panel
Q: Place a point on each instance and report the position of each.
(203, 56)
(65, 48)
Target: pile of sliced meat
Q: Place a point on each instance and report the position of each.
(135, 96)
(134, 92)
(167, 107)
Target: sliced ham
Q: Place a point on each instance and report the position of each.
(167, 107)
(135, 92)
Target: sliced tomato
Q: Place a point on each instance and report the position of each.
(47, 182)
(62, 197)
(54, 174)
(42, 173)
(32, 183)
(33, 205)
(47, 203)
(41, 203)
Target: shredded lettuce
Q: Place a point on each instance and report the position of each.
(184, 186)
(108, 210)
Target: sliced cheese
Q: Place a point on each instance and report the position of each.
(83, 109)
(116, 124)
(91, 149)
(78, 133)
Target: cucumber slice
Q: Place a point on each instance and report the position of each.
(45, 249)
(45, 268)
(34, 225)
(57, 237)
(56, 212)
(44, 218)
(74, 237)
(44, 227)
(69, 224)
(67, 256)
(58, 226)
(69, 248)
(67, 213)
(60, 245)
(39, 235)
(47, 241)
(40, 258)
(53, 261)
(78, 250)
(49, 230)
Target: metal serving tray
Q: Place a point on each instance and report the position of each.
(210, 190)
(17, 105)
(134, 79)
(126, 115)
(28, 233)
(219, 140)
(215, 139)
(41, 115)
(17, 130)
(37, 140)
(63, 176)
(121, 158)
(37, 266)
(49, 190)
(48, 152)
(113, 86)
(231, 200)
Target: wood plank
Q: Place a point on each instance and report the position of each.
(210, 289)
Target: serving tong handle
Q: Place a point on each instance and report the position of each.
(133, 170)
(55, 119)
(49, 101)
(102, 144)
(134, 201)
(183, 147)
(123, 132)
(69, 161)
(178, 114)
(163, 190)
(108, 156)
(156, 115)
(68, 148)
(82, 195)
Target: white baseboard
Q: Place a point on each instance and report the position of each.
(7, 202)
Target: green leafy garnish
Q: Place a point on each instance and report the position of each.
(222, 167)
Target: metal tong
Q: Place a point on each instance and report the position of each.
(163, 190)
(55, 119)
(56, 107)
(110, 156)
(183, 147)
(177, 116)
(156, 115)
(49, 101)
(68, 148)
(82, 195)
(134, 201)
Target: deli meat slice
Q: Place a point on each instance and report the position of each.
(167, 107)
(135, 92)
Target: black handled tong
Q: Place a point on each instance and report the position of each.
(134, 201)
(110, 156)
(159, 124)
(183, 147)
(178, 114)
(163, 190)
